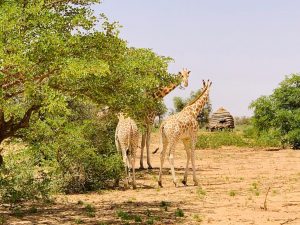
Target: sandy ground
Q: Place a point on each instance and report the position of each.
(233, 186)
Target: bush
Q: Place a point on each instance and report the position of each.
(77, 149)
(248, 138)
(280, 111)
(21, 180)
(219, 139)
(270, 138)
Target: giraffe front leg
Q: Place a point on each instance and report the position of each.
(142, 150)
(193, 161)
(188, 157)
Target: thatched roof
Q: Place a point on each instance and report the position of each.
(221, 119)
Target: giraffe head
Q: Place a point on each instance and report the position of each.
(121, 116)
(184, 75)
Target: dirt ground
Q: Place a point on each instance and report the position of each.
(233, 186)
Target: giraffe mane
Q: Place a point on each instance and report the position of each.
(199, 96)
(176, 82)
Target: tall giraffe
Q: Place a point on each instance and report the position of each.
(182, 126)
(182, 79)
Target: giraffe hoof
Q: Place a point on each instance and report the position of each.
(184, 182)
(160, 184)
(134, 187)
(142, 168)
(150, 167)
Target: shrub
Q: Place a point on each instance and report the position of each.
(280, 111)
(248, 138)
(179, 212)
(21, 180)
(219, 139)
(77, 149)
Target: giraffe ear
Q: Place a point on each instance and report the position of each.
(180, 73)
(189, 72)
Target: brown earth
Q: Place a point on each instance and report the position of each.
(234, 184)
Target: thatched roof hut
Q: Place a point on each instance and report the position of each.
(221, 119)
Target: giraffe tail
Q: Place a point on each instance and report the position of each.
(129, 149)
(155, 150)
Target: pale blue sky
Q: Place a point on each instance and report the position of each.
(245, 47)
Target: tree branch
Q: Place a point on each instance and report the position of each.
(21, 80)
(10, 127)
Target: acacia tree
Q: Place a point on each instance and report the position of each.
(280, 111)
(37, 47)
(52, 57)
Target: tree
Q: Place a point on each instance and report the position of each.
(51, 51)
(57, 66)
(41, 45)
(280, 111)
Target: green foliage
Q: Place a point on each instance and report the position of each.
(270, 138)
(126, 216)
(280, 111)
(90, 210)
(52, 50)
(2, 220)
(150, 221)
(179, 212)
(57, 68)
(77, 149)
(21, 180)
(242, 120)
(232, 193)
(219, 139)
(79, 221)
(254, 189)
(201, 192)
(247, 138)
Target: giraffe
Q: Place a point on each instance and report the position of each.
(182, 79)
(182, 126)
(126, 139)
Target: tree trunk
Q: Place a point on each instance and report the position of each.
(10, 127)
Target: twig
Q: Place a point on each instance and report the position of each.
(289, 220)
(265, 202)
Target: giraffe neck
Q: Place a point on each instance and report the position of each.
(162, 92)
(196, 106)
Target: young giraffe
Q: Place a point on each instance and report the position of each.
(126, 138)
(183, 77)
(182, 126)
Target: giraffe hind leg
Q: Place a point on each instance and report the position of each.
(162, 159)
(193, 161)
(188, 154)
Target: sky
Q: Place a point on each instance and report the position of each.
(245, 47)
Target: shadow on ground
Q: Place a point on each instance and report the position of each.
(130, 212)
